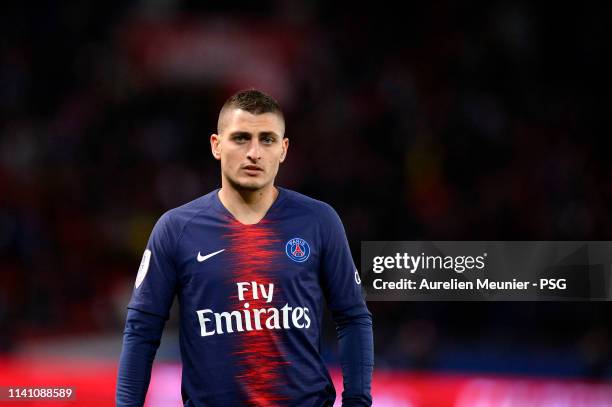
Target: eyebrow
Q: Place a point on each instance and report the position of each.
(261, 134)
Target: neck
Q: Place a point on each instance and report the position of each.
(247, 206)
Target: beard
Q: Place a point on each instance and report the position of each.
(247, 185)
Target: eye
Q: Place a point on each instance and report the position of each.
(267, 140)
(240, 138)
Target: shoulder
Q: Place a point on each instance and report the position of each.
(307, 203)
(323, 212)
(175, 219)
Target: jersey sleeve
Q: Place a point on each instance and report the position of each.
(141, 339)
(156, 281)
(342, 289)
(340, 278)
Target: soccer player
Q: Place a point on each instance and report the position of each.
(251, 264)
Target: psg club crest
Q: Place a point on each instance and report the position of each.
(297, 249)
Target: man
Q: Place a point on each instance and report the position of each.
(251, 264)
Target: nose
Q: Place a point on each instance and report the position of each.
(254, 152)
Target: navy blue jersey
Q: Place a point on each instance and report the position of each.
(251, 298)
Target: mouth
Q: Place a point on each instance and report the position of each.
(252, 169)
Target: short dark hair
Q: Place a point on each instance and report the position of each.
(252, 101)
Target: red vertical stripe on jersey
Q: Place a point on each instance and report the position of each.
(254, 249)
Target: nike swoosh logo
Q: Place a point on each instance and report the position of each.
(208, 256)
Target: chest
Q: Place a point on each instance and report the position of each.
(220, 260)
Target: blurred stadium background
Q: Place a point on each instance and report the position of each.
(441, 121)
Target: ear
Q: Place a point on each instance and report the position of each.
(215, 140)
(285, 145)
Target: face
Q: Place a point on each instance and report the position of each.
(250, 148)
